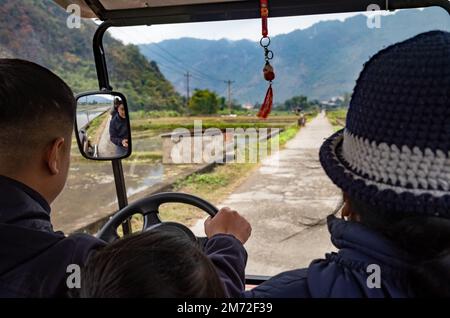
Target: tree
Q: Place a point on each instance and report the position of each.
(222, 103)
(297, 102)
(204, 102)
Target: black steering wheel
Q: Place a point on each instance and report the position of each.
(149, 208)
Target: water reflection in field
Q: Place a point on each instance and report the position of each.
(90, 190)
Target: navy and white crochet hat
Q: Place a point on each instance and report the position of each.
(394, 152)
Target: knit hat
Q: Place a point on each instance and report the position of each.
(394, 152)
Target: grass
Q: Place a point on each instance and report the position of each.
(288, 134)
(94, 130)
(171, 123)
(202, 180)
(170, 113)
(337, 118)
(213, 186)
(145, 157)
(153, 114)
(311, 115)
(161, 126)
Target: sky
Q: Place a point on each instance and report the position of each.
(232, 30)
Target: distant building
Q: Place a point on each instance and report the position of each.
(333, 102)
(248, 106)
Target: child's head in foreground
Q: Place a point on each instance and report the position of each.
(153, 264)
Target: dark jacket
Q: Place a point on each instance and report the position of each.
(345, 273)
(118, 130)
(34, 258)
(230, 258)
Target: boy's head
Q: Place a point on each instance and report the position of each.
(37, 112)
(153, 264)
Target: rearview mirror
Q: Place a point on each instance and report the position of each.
(102, 126)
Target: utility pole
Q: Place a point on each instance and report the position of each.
(188, 76)
(229, 94)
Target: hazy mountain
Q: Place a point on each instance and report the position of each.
(320, 62)
(36, 30)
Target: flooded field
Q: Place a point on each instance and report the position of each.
(90, 190)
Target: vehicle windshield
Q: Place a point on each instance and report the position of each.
(208, 77)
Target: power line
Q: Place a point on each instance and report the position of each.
(170, 68)
(190, 75)
(176, 68)
(177, 71)
(166, 60)
(178, 60)
(192, 69)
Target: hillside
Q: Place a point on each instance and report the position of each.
(36, 30)
(320, 62)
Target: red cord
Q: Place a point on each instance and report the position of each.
(264, 16)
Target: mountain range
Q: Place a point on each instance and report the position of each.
(320, 62)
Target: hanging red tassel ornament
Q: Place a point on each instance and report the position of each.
(266, 107)
(269, 74)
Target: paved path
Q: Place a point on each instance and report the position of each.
(105, 147)
(282, 201)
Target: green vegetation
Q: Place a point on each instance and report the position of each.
(140, 80)
(94, 125)
(204, 102)
(300, 103)
(36, 30)
(169, 124)
(213, 186)
(200, 180)
(145, 157)
(288, 134)
(142, 114)
(337, 117)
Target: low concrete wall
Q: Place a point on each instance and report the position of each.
(179, 148)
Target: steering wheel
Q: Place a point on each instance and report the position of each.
(149, 208)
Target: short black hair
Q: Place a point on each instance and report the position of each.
(36, 106)
(152, 264)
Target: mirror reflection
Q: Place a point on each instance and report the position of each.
(103, 127)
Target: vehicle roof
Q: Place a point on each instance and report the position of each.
(139, 12)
